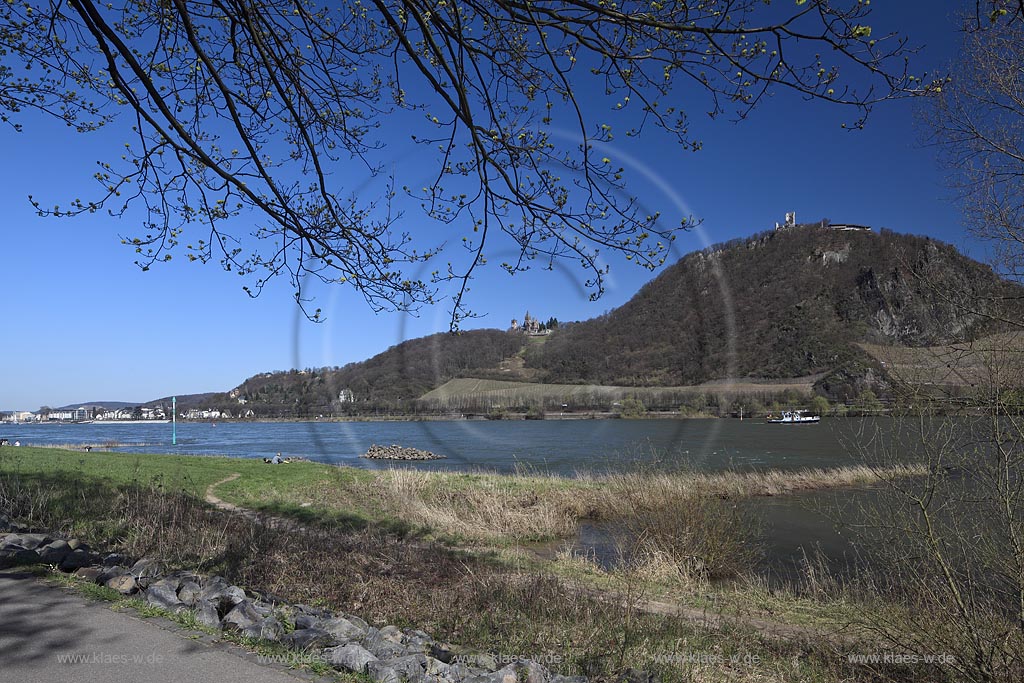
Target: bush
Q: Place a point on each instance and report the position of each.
(632, 407)
(820, 405)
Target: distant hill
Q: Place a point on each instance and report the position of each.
(386, 381)
(797, 303)
(110, 405)
(781, 304)
(185, 401)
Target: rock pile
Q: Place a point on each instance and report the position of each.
(396, 452)
(386, 655)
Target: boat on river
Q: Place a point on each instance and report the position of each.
(794, 417)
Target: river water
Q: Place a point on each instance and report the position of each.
(791, 526)
(552, 446)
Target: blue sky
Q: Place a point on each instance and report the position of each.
(80, 322)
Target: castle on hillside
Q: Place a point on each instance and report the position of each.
(530, 326)
(790, 223)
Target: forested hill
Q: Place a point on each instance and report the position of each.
(387, 380)
(781, 304)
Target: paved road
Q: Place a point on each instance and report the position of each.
(50, 635)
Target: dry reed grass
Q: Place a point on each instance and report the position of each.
(492, 508)
(526, 506)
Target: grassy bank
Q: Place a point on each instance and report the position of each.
(466, 507)
(436, 551)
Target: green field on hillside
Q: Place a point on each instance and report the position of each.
(473, 394)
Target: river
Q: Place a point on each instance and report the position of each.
(562, 447)
(790, 526)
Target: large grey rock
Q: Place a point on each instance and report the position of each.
(384, 649)
(122, 583)
(207, 615)
(13, 556)
(147, 566)
(267, 629)
(392, 633)
(146, 571)
(382, 673)
(76, 543)
(463, 673)
(77, 559)
(26, 541)
(435, 667)
(271, 629)
(507, 674)
(90, 574)
(306, 621)
(459, 671)
(189, 593)
(174, 580)
(356, 621)
(221, 593)
(413, 665)
(263, 608)
(54, 552)
(305, 639)
(417, 642)
(350, 657)
(408, 665)
(214, 587)
(241, 617)
(233, 595)
(385, 643)
(343, 629)
(162, 595)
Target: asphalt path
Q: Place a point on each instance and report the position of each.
(49, 634)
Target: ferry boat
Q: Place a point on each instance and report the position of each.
(794, 417)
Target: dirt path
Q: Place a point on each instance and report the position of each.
(272, 521)
(768, 628)
(216, 502)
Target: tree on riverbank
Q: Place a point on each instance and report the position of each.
(952, 542)
(257, 106)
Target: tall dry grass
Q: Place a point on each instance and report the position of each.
(529, 506)
(510, 508)
(682, 527)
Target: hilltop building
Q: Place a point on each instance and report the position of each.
(530, 326)
(790, 223)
